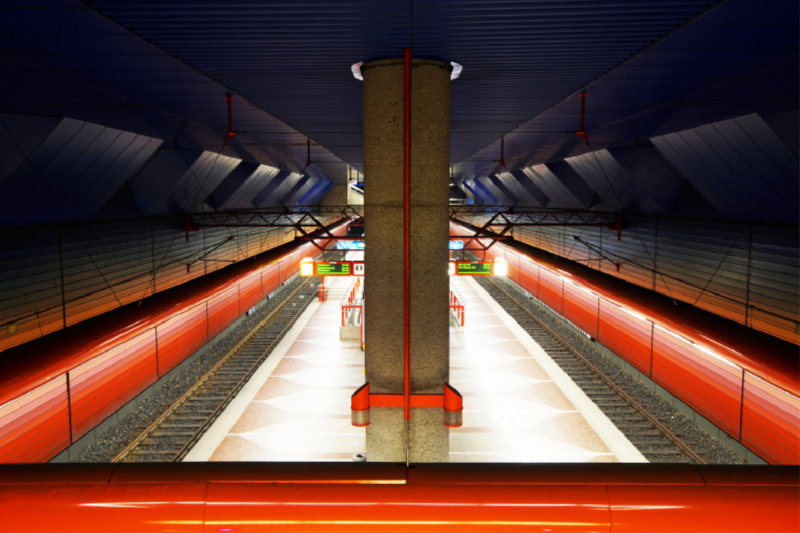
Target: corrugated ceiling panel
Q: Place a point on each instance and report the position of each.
(272, 195)
(557, 192)
(744, 169)
(86, 170)
(535, 197)
(254, 183)
(509, 188)
(19, 136)
(294, 196)
(737, 58)
(62, 59)
(202, 177)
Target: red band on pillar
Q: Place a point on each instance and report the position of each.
(359, 406)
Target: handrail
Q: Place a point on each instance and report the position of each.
(349, 303)
(458, 304)
(349, 299)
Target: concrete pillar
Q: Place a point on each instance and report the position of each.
(387, 436)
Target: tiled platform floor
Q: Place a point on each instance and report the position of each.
(518, 405)
(515, 409)
(297, 406)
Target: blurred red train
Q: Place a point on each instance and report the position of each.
(56, 389)
(744, 381)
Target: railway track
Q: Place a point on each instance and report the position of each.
(653, 439)
(173, 434)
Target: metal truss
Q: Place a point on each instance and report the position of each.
(501, 220)
(304, 220)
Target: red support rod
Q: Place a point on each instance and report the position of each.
(231, 134)
(406, 232)
(582, 132)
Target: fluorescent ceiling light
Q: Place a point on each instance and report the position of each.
(355, 68)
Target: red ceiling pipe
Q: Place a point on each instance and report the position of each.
(582, 132)
(359, 406)
(231, 134)
(406, 232)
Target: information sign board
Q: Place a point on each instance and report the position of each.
(331, 268)
(474, 268)
(358, 268)
(349, 245)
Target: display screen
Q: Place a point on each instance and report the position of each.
(349, 245)
(474, 268)
(327, 268)
(456, 245)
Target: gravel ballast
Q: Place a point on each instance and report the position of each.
(700, 441)
(117, 437)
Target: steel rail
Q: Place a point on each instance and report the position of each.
(179, 402)
(616, 388)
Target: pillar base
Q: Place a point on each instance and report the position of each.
(429, 440)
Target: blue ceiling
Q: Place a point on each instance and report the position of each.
(740, 57)
(293, 57)
(161, 69)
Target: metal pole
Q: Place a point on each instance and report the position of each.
(63, 291)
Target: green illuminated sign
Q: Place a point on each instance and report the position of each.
(474, 268)
(332, 269)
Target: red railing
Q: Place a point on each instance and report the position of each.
(457, 304)
(349, 300)
(351, 303)
(323, 290)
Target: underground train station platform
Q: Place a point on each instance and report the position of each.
(400, 265)
(520, 407)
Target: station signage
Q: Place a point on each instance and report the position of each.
(474, 268)
(332, 268)
(350, 245)
(358, 268)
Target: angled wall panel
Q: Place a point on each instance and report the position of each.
(561, 184)
(276, 189)
(501, 185)
(20, 135)
(71, 173)
(232, 183)
(292, 198)
(242, 197)
(535, 195)
(740, 165)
